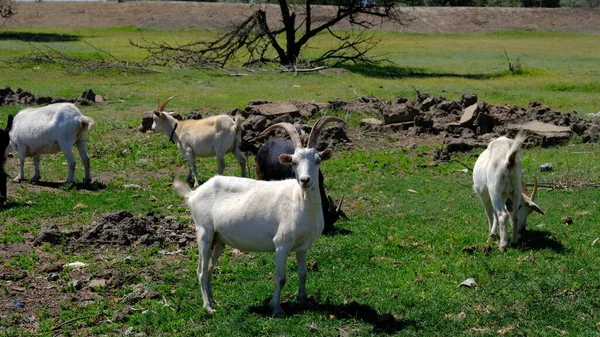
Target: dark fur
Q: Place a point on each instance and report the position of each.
(4, 141)
(268, 167)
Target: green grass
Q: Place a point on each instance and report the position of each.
(403, 253)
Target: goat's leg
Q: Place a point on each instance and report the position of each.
(217, 250)
(515, 216)
(489, 211)
(192, 164)
(221, 163)
(67, 149)
(281, 255)
(500, 217)
(21, 150)
(241, 159)
(81, 147)
(302, 271)
(204, 249)
(36, 164)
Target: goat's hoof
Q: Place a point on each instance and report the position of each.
(35, 180)
(278, 312)
(503, 247)
(210, 310)
(17, 179)
(87, 181)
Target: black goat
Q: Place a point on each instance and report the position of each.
(4, 141)
(268, 167)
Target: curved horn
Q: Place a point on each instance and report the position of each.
(535, 188)
(161, 107)
(316, 130)
(337, 210)
(523, 187)
(291, 130)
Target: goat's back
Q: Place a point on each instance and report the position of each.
(205, 135)
(40, 129)
(251, 215)
(268, 166)
(499, 164)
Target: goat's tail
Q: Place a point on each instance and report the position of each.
(182, 188)
(9, 123)
(511, 157)
(239, 120)
(87, 123)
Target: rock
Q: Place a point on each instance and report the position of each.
(371, 124)
(468, 99)
(49, 234)
(256, 123)
(546, 167)
(395, 127)
(53, 277)
(469, 115)
(398, 113)
(277, 109)
(76, 284)
(97, 283)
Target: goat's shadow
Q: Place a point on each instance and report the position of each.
(8, 204)
(532, 240)
(394, 71)
(382, 323)
(38, 37)
(94, 186)
(335, 231)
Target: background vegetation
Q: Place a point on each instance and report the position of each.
(403, 253)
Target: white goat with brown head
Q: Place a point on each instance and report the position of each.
(264, 216)
(497, 182)
(208, 137)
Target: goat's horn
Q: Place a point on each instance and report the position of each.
(535, 188)
(337, 210)
(291, 130)
(316, 130)
(161, 107)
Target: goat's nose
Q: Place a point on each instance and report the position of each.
(305, 180)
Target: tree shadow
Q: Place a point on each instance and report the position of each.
(391, 71)
(94, 186)
(381, 323)
(532, 240)
(38, 37)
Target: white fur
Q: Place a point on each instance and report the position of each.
(265, 216)
(496, 179)
(51, 129)
(211, 136)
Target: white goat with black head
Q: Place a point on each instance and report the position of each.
(207, 137)
(264, 216)
(497, 182)
(51, 129)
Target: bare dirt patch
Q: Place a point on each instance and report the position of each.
(197, 15)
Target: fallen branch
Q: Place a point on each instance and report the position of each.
(56, 327)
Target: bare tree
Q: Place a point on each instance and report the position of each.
(6, 10)
(260, 41)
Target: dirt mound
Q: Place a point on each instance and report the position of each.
(121, 229)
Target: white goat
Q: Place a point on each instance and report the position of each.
(497, 182)
(265, 216)
(211, 136)
(51, 129)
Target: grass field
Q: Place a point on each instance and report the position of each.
(396, 267)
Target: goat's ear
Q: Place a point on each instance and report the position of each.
(285, 159)
(326, 154)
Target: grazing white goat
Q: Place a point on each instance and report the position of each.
(211, 136)
(497, 182)
(265, 216)
(51, 129)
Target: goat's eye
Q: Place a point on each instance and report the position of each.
(520, 206)
(294, 163)
(318, 161)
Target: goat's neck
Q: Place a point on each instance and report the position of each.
(311, 197)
